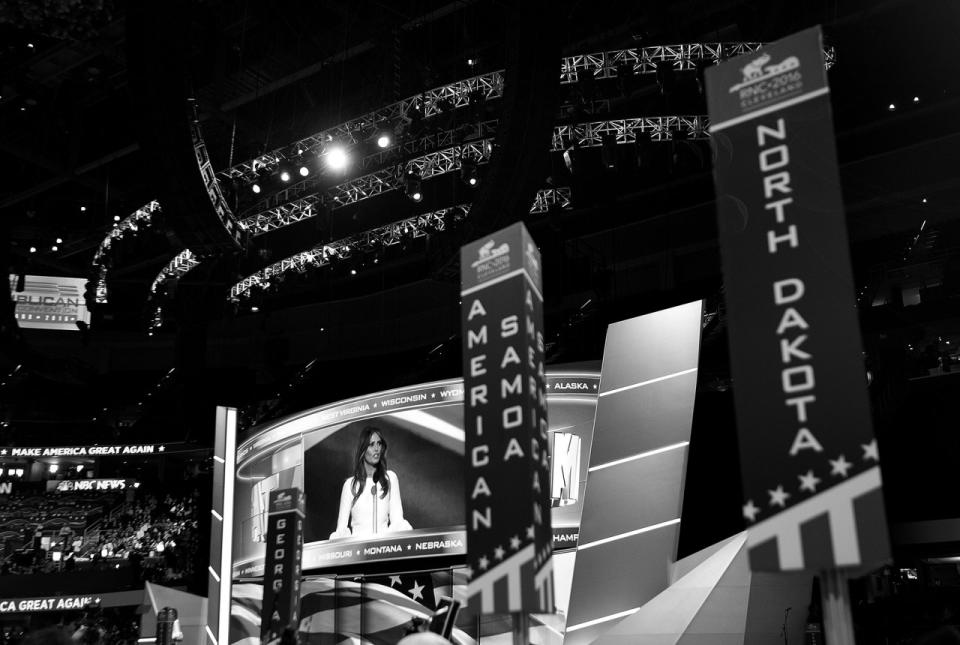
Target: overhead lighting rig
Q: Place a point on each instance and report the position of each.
(601, 65)
(385, 236)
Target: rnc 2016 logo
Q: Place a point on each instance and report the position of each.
(763, 83)
(491, 260)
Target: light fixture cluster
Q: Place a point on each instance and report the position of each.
(334, 157)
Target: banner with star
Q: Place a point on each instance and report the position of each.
(809, 459)
(509, 535)
(378, 611)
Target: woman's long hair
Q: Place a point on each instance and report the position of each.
(360, 471)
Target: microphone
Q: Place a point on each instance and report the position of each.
(373, 491)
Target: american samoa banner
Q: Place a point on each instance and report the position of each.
(809, 458)
(509, 535)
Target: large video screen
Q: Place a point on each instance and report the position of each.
(49, 302)
(383, 475)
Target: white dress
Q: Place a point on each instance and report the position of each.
(372, 514)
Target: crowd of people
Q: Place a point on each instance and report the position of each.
(92, 626)
(156, 535)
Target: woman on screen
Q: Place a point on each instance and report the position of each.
(370, 498)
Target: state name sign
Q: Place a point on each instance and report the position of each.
(809, 460)
(281, 576)
(509, 537)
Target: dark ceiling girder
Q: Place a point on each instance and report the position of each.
(64, 176)
(347, 54)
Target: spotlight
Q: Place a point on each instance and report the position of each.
(336, 158)
(83, 209)
(353, 272)
(256, 189)
(468, 171)
(413, 186)
(116, 218)
(608, 151)
(254, 308)
(892, 107)
(916, 99)
(59, 240)
(54, 247)
(33, 249)
(570, 159)
(383, 140)
(304, 171)
(284, 176)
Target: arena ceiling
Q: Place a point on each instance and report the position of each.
(629, 229)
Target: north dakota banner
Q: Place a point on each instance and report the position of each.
(809, 459)
(509, 537)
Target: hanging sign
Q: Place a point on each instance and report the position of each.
(809, 459)
(509, 537)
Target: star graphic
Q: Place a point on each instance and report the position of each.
(162, 448)
(515, 543)
(483, 563)
(839, 466)
(530, 531)
(417, 591)
(778, 496)
(870, 451)
(3, 451)
(498, 553)
(809, 481)
(394, 580)
(750, 511)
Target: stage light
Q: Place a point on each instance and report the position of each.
(59, 240)
(254, 308)
(80, 466)
(608, 151)
(304, 171)
(54, 247)
(33, 249)
(468, 171)
(116, 218)
(284, 176)
(892, 107)
(256, 189)
(916, 99)
(353, 272)
(83, 209)
(29, 45)
(924, 200)
(570, 159)
(413, 186)
(336, 158)
(54, 468)
(383, 140)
